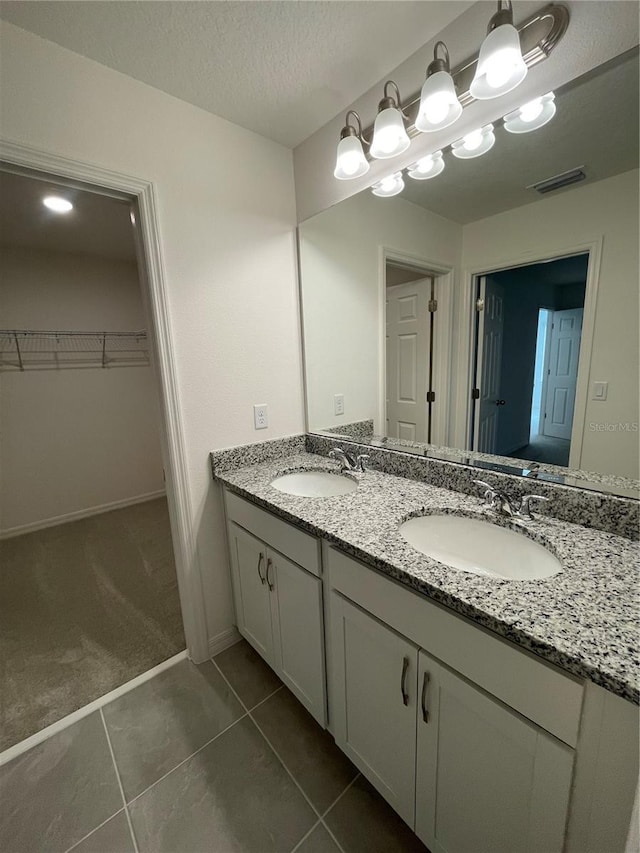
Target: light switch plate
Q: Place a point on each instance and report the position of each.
(600, 391)
(260, 416)
(338, 404)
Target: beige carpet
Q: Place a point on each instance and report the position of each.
(84, 607)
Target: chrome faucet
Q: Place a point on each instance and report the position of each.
(502, 504)
(349, 462)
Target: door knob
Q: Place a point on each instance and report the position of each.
(500, 402)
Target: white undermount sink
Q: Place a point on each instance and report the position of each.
(314, 484)
(480, 547)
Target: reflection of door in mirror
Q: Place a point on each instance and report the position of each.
(528, 354)
(409, 357)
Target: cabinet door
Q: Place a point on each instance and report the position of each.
(251, 593)
(488, 781)
(298, 632)
(374, 702)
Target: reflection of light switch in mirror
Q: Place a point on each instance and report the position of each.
(600, 390)
(338, 404)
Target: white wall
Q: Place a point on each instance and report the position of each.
(606, 210)
(226, 218)
(77, 439)
(341, 263)
(599, 30)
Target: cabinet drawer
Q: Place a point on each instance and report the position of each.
(298, 546)
(537, 690)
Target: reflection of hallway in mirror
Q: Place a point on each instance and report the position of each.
(527, 385)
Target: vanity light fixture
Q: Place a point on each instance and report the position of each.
(439, 104)
(57, 204)
(350, 160)
(389, 133)
(427, 167)
(389, 186)
(531, 116)
(500, 65)
(474, 144)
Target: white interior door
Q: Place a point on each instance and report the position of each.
(562, 372)
(490, 335)
(408, 359)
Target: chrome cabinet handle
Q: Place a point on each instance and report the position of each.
(425, 685)
(260, 575)
(403, 688)
(269, 564)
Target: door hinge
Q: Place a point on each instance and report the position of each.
(433, 306)
(475, 394)
(479, 304)
(431, 396)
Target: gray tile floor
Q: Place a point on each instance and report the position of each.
(218, 757)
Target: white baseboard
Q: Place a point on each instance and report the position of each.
(24, 745)
(223, 640)
(78, 514)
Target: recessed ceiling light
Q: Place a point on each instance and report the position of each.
(57, 204)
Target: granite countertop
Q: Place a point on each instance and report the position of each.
(584, 620)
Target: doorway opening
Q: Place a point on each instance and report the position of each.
(528, 334)
(89, 587)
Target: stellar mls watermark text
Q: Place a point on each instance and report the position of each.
(613, 427)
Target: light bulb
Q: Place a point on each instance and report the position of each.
(472, 141)
(500, 64)
(532, 115)
(439, 104)
(475, 143)
(499, 69)
(57, 204)
(436, 108)
(389, 135)
(350, 160)
(389, 186)
(530, 112)
(428, 167)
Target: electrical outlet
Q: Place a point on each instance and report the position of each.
(260, 417)
(338, 404)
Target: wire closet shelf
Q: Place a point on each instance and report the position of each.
(24, 349)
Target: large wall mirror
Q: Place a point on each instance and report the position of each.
(491, 312)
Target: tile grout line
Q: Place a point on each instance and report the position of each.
(95, 829)
(184, 760)
(337, 799)
(117, 772)
(290, 774)
(306, 835)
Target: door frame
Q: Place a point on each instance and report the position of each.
(142, 193)
(466, 337)
(443, 275)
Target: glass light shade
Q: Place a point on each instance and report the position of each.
(428, 167)
(439, 104)
(57, 204)
(389, 135)
(474, 144)
(389, 186)
(350, 160)
(531, 116)
(500, 65)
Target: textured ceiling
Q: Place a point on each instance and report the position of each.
(97, 225)
(282, 68)
(596, 126)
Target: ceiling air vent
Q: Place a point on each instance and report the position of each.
(558, 181)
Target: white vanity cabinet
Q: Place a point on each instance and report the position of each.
(278, 601)
(467, 772)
